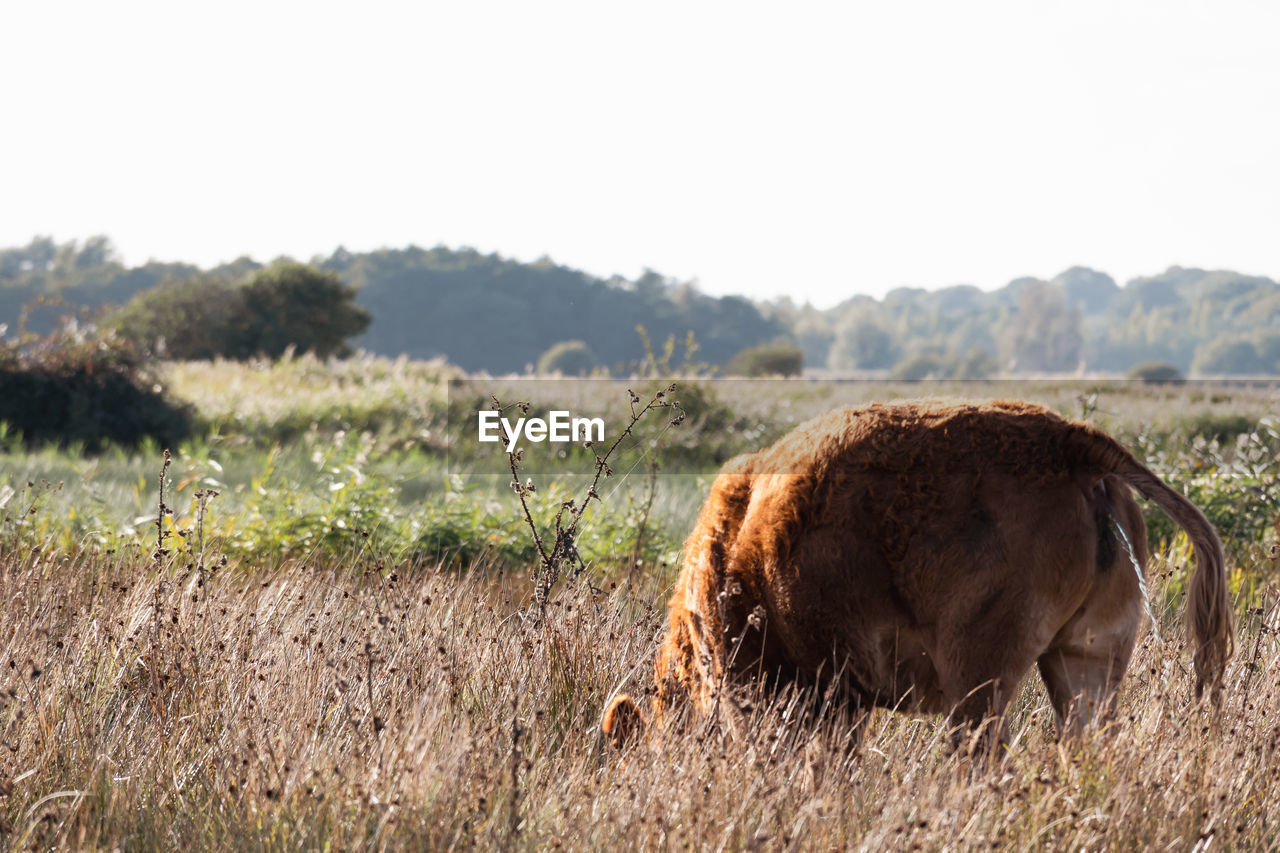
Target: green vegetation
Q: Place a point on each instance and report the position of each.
(923, 366)
(300, 443)
(262, 404)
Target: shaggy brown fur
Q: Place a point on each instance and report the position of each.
(926, 556)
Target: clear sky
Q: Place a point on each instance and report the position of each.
(815, 150)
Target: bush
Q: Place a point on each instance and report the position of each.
(1227, 466)
(1223, 428)
(568, 358)
(1155, 371)
(83, 388)
(770, 360)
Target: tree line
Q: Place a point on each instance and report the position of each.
(485, 312)
(1197, 321)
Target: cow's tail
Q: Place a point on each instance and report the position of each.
(1209, 620)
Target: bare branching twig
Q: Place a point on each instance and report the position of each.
(637, 549)
(563, 538)
(162, 511)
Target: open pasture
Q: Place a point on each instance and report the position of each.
(337, 651)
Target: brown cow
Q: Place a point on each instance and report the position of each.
(925, 556)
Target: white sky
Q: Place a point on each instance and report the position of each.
(815, 150)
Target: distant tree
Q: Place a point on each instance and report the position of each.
(1043, 333)
(1155, 371)
(957, 299)
(485, 312)
(976, 364)
(1091, 290)
(922, 366)
(1159, 291)
(37, 256)
(291, 304)
(862, 344)
(1229, 356)
(781, 359)
(810, 328)
(568, 358)
(96, 252)
(183, 320)
(1267, 343)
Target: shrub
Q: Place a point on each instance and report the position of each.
(568, 358)
(1227, 466)
(784, 359)
(81, 387)
(1224, 427)
(1155, 371)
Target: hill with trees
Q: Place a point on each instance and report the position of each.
(485, 312)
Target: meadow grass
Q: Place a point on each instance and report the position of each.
(153, 706)
(265, 403)
(380, 683)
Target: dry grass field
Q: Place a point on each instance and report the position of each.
(304, 707)
(354, 699)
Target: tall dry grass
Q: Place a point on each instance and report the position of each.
(304, 706)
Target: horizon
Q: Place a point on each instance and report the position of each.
(120, 256)
(819, 154)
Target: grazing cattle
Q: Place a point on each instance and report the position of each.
(925, 557)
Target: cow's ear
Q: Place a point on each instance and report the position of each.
(622, 721)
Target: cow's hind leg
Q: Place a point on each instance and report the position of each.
(1084, 664)
(1083, 676)
(979, 682)
(1081, 688)
(977, 718)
